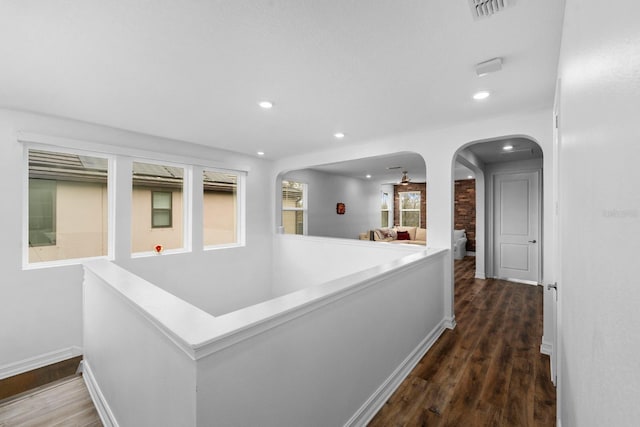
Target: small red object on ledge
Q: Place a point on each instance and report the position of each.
(158, 248)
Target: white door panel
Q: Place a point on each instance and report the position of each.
(516, 226)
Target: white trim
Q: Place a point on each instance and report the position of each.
(377, 400)
(450, 322)
(40, 361)
(524, 282)
(102, 148)
(104, 411)
(470, 253)
(481, 276)
(546, 348)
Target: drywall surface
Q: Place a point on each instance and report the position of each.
(599, 206)
(361, 199)
(40, 310)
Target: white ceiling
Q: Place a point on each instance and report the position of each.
(383, 169)
(493, 152)
(195, 70)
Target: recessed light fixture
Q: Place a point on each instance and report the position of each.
(483, 94)
(265, 104)
(508, 147)
(339, 135)
(260, 153)
(368, 176)
(470, 177)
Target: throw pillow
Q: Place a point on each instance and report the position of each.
(403, 235)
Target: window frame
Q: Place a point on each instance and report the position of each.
(154, 209)
(384, 196)
(401, 210)
(111, 164)
(303, 209)
(187, 206)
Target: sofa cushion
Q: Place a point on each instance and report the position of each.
(403, 235)
(410, 230)
(421, 234)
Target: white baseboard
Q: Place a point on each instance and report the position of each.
(384, 392)
(469, 253)
(546, 348)
(450, 322)
(104, 411)
(481, 276)
(40, 361)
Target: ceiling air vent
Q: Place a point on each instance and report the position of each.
(486, 8)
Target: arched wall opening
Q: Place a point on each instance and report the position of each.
(351, 198)
(488, 158)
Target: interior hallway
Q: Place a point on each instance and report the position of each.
(488, 371)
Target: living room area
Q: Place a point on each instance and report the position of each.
(382, 199)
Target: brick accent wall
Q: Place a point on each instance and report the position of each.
(422, 188)
(465, 210)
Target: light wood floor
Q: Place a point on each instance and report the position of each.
(488, 371)
(65, 402)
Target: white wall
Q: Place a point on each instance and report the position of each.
(599, 203)
(40, 310)
(362, 200)
(438, 148)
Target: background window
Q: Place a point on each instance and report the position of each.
(68, 217)
(410, 208)
(294, 207)
(384, 209)
(161, 214)
(220, 208)
(157, 189)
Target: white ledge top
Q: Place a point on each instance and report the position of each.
(199, 334)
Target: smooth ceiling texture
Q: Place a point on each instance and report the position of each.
(195, 70)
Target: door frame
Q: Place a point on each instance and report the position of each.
(490, 206)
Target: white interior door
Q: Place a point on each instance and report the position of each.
(516, 226)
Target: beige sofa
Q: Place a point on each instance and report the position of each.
(416, 235)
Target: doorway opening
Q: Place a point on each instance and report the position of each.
(498, 204)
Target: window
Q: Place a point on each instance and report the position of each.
(161, 214)
(384, 209)
(220, 208)
(67, 206)
(294, 207)
(410, 208)
(157, 207)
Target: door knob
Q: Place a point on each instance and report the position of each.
(532, 241)
(552, 286)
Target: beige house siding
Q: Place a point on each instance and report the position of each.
(81, 223)
(220, 219)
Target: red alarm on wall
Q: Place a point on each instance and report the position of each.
(340, 208)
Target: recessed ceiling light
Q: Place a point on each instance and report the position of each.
(260, 153)
(508, 147)
(265, 104)
(368, 176)
(339, 135)
(470, 177)
(483, 94)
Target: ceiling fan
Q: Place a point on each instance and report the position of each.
(405, 179)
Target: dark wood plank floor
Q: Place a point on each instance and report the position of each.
(488, 371)
(65, 402)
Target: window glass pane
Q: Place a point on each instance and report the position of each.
(156, 207)
(411, 219)
(293, 222)
(293, 206)
(384, 222)
(161, 200)
(220, 207)
(68, 216)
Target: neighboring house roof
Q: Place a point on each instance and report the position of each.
(74, 167)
